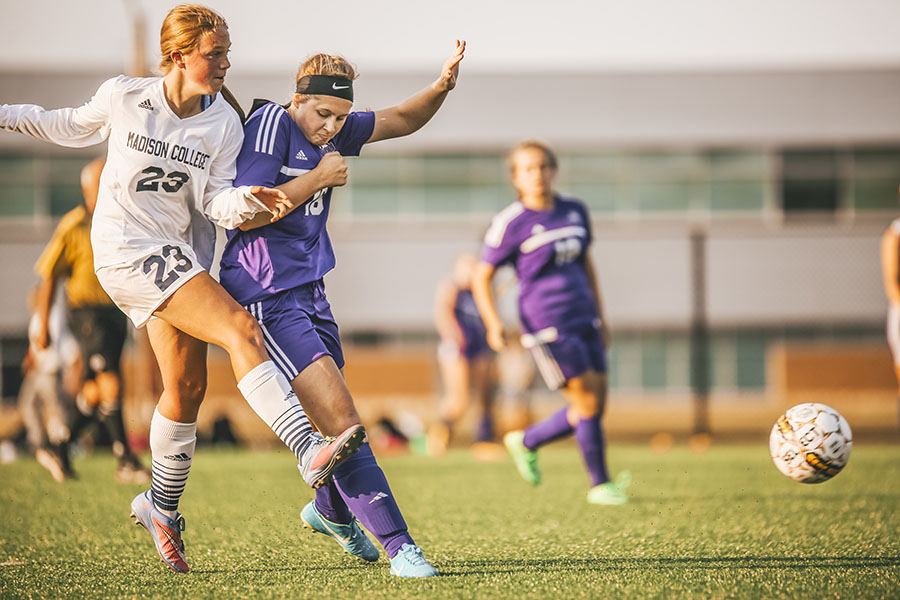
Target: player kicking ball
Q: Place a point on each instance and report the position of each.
(275, 270)
(546, 237)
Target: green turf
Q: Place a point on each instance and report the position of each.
(725, 525)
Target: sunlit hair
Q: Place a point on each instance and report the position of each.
(532, 145)
(325, 64)
(182, 30)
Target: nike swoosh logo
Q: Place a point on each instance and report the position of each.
(345, 540)
(339, 87)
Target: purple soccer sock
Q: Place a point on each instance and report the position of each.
(552, 428)
(331, 506)
(593, 448)
(364, 488)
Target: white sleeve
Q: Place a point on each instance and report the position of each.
(224, 204)
(75, 127)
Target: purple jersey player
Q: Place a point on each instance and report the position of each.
(465, 359)
(546, 237)
(276, 272)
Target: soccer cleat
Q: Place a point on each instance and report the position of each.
(409, 562)
(51, 461)
(524, 459)
(166, 532)
(611, 493)
(324, 455)
(350, 537)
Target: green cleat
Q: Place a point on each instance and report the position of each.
(610, 493)
(524, 459)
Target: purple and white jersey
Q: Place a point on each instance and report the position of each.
(295, 250)
(547, 249)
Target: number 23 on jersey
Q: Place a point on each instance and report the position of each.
(157, 178)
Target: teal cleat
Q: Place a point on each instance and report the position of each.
(524, 459)
(350, 537)
(410, 562)
(611, 493)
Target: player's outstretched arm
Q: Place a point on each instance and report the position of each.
(72, 127)
(484, 300)
(411, 114)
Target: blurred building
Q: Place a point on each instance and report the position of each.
(787, 178)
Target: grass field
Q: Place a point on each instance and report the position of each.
(724, 524)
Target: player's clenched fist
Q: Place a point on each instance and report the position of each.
(333, 169)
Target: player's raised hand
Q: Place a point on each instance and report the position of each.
(333, 169)
(450, 70)
(275, 201)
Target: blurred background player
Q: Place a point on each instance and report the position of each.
(52, 376)
(466, 361)
(547, 237)
(97, 324)
(276, 271)
(890, 269)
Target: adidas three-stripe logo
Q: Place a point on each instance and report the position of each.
(181, 457)
(300, 156)
(268, 127)
(146, 104)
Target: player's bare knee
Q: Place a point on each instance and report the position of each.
(244, 333)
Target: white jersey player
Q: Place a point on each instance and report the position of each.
(169, 159)
(157, 174)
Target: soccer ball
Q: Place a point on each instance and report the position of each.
(810, 443)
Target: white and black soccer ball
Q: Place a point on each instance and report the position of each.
(810, 443)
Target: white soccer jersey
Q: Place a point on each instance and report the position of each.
(161, 169)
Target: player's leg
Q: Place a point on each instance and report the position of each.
(515, 374)
(893, 337)
(30, 408)
(456, 377)
(587, 394)
(173, 438)
(522, 445)
(359, 480)
(203, 309)
(101, 332)
(300, 330)
(483, 377)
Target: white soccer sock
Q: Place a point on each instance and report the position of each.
(270, 395)
(172, 451)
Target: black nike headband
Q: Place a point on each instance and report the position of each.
(326, 85)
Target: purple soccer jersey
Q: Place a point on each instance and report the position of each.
(547, 249)
(297, 249)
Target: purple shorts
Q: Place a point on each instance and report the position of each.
(298, 328)
(563, 355)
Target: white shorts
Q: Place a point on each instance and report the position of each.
(139, 287)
